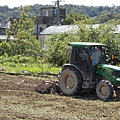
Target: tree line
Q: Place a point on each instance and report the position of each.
(100, 14)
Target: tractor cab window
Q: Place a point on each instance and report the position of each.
(79, 57)
(98, 56)
(83, 54)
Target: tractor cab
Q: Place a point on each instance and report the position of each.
(87, 69)
(86, 56)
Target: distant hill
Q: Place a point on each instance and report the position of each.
(102, 13)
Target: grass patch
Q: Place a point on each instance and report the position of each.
(27, 65)
(32, 68)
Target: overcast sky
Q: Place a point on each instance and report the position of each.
(16, 3)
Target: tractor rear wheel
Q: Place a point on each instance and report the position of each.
(70, 81)
(104, 90)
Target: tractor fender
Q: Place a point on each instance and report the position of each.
(73, 66)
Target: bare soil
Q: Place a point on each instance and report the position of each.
(19, 101)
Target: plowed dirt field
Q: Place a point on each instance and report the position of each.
(19, 101)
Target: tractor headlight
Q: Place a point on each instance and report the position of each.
(118, 79)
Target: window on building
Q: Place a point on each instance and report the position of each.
(2, 31)
(46, 12)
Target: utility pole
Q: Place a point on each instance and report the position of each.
(57, 4)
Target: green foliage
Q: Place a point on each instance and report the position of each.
(22, 65)
(55, 47)
(24, 54)
(72, 18)
(58, 52)
(22, 29)
(107, 17)
(16, 59)
(26, 48)
(99, 13)
(6, 12)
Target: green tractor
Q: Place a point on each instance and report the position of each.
(87, 70)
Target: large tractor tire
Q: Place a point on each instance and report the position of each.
(70, 81)
(104, 90)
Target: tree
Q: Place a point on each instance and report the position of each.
(72, 18)
(57, 50)
(22, 29)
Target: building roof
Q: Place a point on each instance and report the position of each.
(68, 28)
(86, 44)
(60, 29)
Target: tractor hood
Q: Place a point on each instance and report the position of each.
(111, 67)
(110, 72)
